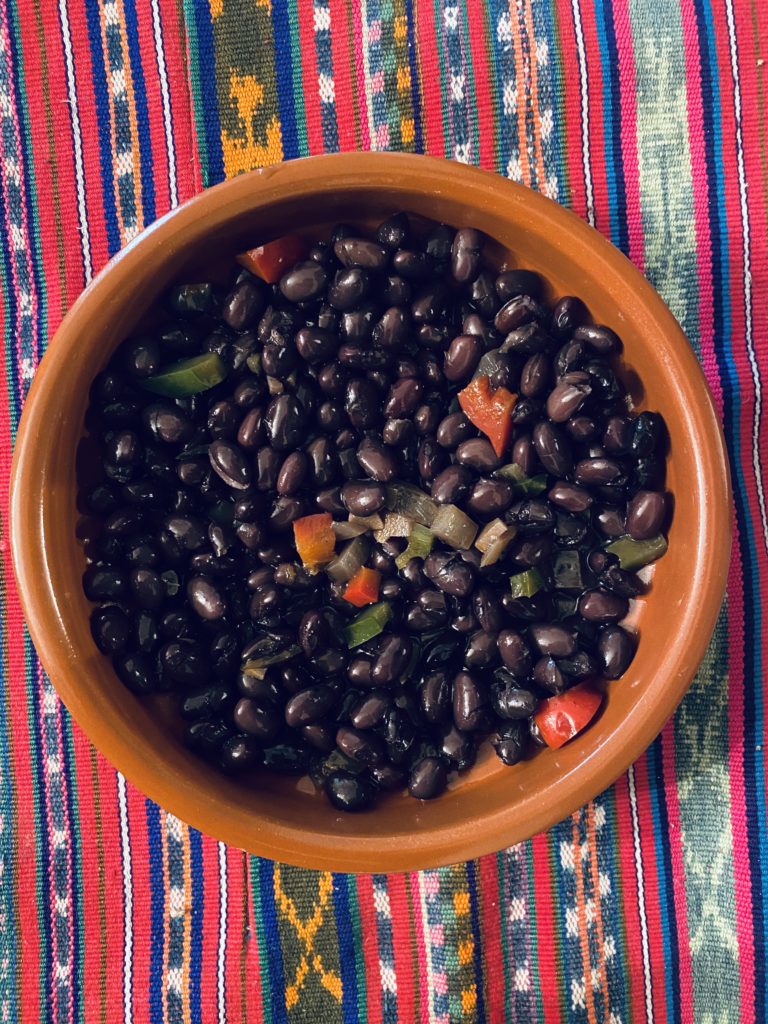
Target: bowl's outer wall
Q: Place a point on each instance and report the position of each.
(492, 806)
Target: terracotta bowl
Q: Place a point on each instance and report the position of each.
(490, 806)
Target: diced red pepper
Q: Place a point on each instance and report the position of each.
(363, 588)
(314, 538)
(270, 261)
(489, 410)
(561, 717)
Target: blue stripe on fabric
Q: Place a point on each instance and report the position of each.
(478, 937)
(500, 49)
(418, 136)
(196, 926)
(144, 140)
(99, 80)
(324, 66)
(284, 63)
(614, 157)
(753, 758)
(667, 913)
(156, 926)
(75, 869)
(274, 949)
(199, 16)
(347, 955)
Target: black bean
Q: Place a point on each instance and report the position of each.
(320, 736)
(450, 573)
(552, 640)
(453, 430)
(581, 428)
(313, 633)
(611, 522)
(452, 485)
(309, 706)
(166, 422)
(616, 649)
(205, 598)
(513, 702)
(124, 449)
(595, 471)
(362, 403)
(135, 672)
(514, 653)
(566, 316)
(646, 434)
(601, 606)
(303, 282)
(265, 602)
(462, 357)
(248, 393)
(370, 709)
(427, 418)
(483, 297)
(349, 288)
(360, 252)
(356, 328)
(581, 665)
(413, 266)
(323, 465)
(243, 305)
(601, 339)
(511, 283)
(568, 395)
(533, 515)
(250, 535)
(228, 461)
(534, 376)
(124, 522)
(285, 421)
(465, 254)
(489, 498)
(431, 459)
(111, 629)
(393, 232)
(140, 357)
(103, 583)
(435, 698)
(428, 778)
(348, 792)
(183, 662)
(568, 358)
(524, 454)
(146, 588)
(548, 676)
(393, 328)
(376, 460)
(571, 497)
(645, 514)
(470, 703)
(362, 747)
(519, 312)
(431, 368)
(552, 448)
(363, 498)
(458, 748)
(259, 718)
(404, 398)
(432, 304)
(394, 291)
(413, 573)
(205, 703)
(392, 658)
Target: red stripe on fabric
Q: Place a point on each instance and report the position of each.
(342, 76)
(422, 989)
(401, 945)
(210, 930)
(674, 840)
(598, 172)
(370, 942)
(495, 968)
(362, 93)
(658, 967)
(242, 958)
(571, 108)
(160, 175)
(311, 97)
(546, 938)
(188, 175)
(630, 915)
(629, 151)
(89, 132)
(430, 74)
(141, 919)
(478, 44)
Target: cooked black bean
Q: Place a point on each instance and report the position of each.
(427, 418)
(552, 448)
(391, 659)
(487, 609)
(458, 748)
(452, 485)
(292, 473)
(553, 640)
(611, 522)
(568, 396)
(393, 232)
(182, 661)
(482, 295)
(581, 665)
(363, 498)
(513, 702)
(313, 633)
(103, 583)
(594, 471)
(524, 454)
(548, 676)
(258, 718)
(360, 252)
(146, 588)
(349, 288)
(535, 375)
(359, 746)
(428, 778)
(323, 465)
(598, 337)
(309, 706)
(470, 703)
(645, 514)
(404, 397)
(362, 403)
(453, 430)
(413, 266)
(601, 606)
(465, 254)
(284, 421)
(110, 628)
(581, 428)
(243, 305)
(395, 291)
(229, 463)
(616, 649)
(462, 357)
(518, 312)
(571, 497)
(567, 315)
(166, 422)
(370, 709)
(303, 282)
(376, 460)
(135, 672)
(489, 498)
(431, 459)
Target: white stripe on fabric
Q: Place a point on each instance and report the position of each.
(749, 337)
(125, 849)
(76, 138)
(167, 122)
(430, 979)
(584, 111)
(223, 890)
(641, 895)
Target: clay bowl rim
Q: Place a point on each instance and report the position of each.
(35, 563)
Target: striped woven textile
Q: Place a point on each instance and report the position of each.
(647, 117)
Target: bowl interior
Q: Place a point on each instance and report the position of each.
(284, 818)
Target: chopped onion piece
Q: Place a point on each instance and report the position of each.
(412, 502)
(453, 527)
(354, 526)
(493, 532)
(395, 525)
(351, 557)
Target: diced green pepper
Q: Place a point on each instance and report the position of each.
(410, 501)
(526, 584)
(527, 485)
(257, 667)
(419, 545)
(188, 377)
(368, 624)
(634, 554)
(566, 571)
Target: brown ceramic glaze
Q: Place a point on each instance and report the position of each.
(491, 806)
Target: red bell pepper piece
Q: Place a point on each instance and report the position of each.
(271, 261)
(489, 410)
(559, 718)
(363, 588)
(314, 538)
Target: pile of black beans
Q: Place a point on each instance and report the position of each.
(341, 378)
